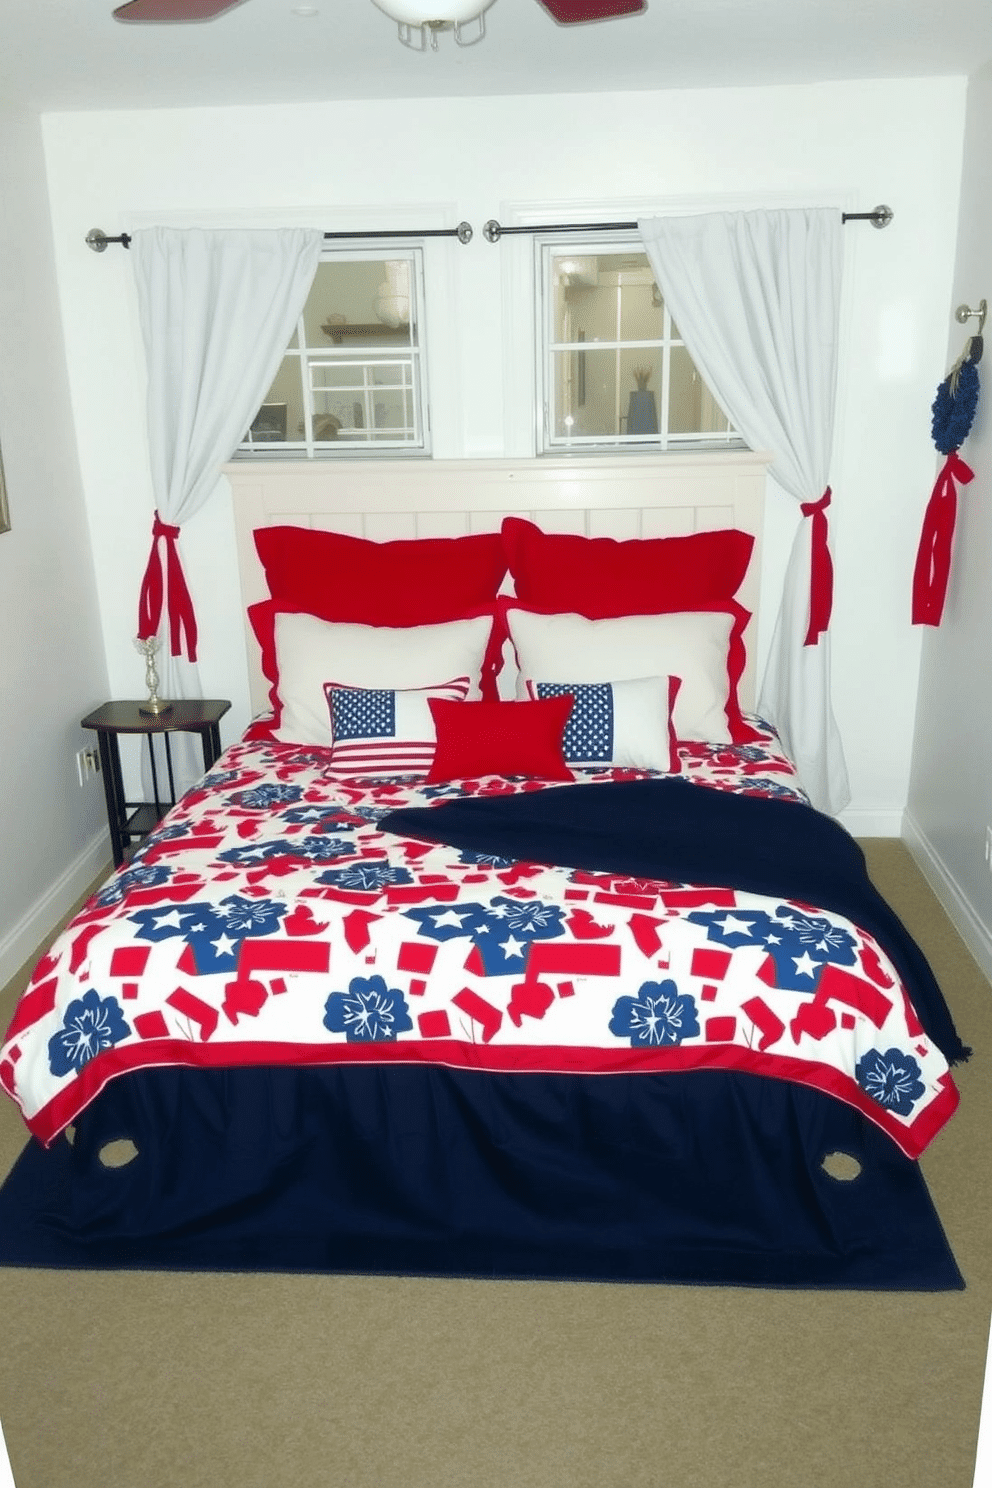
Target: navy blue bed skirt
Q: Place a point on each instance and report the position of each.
(705, 1178)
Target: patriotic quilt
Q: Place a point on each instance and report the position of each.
(269, 920)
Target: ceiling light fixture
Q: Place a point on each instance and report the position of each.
(420, 22)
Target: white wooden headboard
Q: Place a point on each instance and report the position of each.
(637, 496)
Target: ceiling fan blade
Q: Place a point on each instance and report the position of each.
(174, 11)
(570, 12)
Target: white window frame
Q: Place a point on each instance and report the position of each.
(411, 379)
(550, 444)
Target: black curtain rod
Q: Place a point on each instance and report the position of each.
(98, 240)
(493, 230)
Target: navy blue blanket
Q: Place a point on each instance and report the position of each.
(686, 833)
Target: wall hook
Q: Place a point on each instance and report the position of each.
(964, 313)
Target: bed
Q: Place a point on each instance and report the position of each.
(505, 942)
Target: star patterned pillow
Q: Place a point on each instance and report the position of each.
(621, 724)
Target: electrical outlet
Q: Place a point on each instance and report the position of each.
(87, 765)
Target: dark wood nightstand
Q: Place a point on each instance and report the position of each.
(131, 820)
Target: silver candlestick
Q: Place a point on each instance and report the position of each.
(153, 703)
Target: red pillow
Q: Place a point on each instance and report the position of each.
(500, 739)
(414, 581)
(602, 578)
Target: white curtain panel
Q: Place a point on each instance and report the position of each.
(755, 297)
(217, 311)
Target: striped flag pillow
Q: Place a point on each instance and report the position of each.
(383, 732)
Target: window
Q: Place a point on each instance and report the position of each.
(353, 378)
(614, 371)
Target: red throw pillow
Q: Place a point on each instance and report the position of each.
(413, 581)
(601, 578)
(500, 739)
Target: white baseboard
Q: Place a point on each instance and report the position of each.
(872, 823)
(976, 935)
(35, 927)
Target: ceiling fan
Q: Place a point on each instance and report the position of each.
(435, 15)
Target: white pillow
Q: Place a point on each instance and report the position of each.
(626, 724)
(693, 646)
(310, 652)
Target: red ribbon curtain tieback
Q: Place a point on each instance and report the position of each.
(933, 556)
(182, 620)
(821, 574)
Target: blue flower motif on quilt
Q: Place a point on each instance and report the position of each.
(488, 860)
(261, 797)
(751, 754)
(502, 931)
(136, 876)
(365, 878)
(213, 932)
(369, 1012)
(251, 917)
(217, 779)
(530, 917)
(660, 1014)
(162, 834)
(312, 849)
(892, 1079)
(800, 945)
(92, 1023)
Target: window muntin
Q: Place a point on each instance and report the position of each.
(614, 370)
(353, 378)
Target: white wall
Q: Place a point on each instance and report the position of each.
(53, 836)
(950, 798)
(434, 162)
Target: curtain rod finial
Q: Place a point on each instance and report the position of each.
(880, 217)
(97, 239)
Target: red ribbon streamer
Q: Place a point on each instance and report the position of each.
(933, 556)
(821, 574)
(181, 616)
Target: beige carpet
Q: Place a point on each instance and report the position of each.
(155, 1381)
